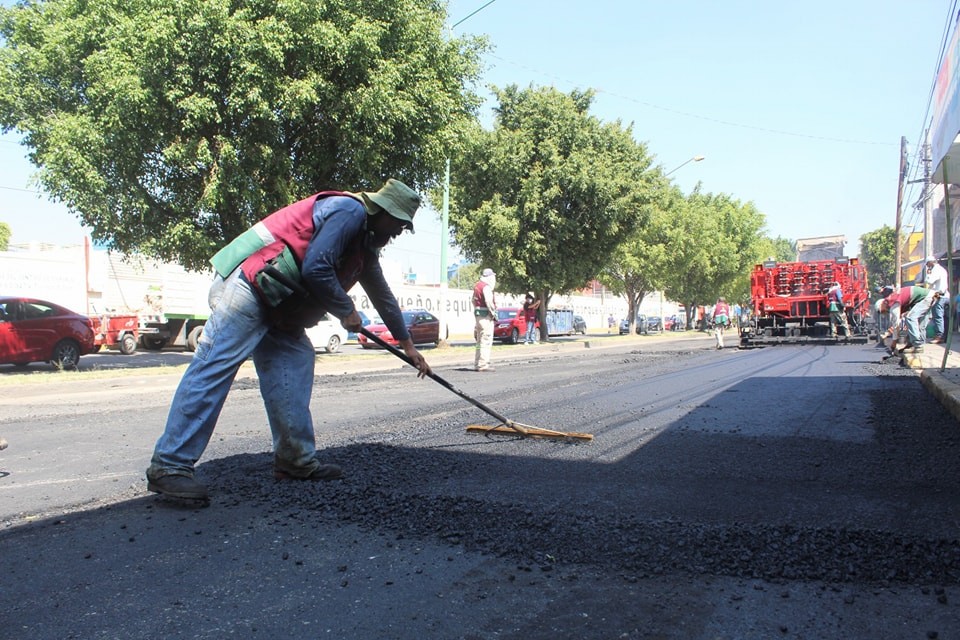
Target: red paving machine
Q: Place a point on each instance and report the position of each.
(789, 302)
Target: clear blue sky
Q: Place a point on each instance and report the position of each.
(797, 107)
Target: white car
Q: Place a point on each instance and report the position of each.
(327, 335)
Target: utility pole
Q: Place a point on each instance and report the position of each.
(903, 179)
(927, 197)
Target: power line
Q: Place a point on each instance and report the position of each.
(687, 114)
(464, 19)
(39, 193)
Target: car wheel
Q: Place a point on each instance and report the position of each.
(152, 344)
(66, 354)
(128, 344)
(333, 344)
(514, 336)
(193, 338)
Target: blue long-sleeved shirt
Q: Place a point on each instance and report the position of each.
(340, 229)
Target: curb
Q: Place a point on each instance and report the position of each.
(941, 380)
(943, 389)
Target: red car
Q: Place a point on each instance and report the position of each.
(34, 330)
(511, 326)
(424, 328)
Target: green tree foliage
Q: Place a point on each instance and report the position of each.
(467, 276)
(170, 127)
(5, 234)
(639, 264)
(779, 249)
(547, 195)
(878, 253)
(714, 244)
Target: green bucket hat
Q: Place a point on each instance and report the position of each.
(397, 199)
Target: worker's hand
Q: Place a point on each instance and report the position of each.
(418, 360)
(352, 322)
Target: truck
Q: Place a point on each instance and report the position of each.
(820, 248)
(169, 301)
(789, 299)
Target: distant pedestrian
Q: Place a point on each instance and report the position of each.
(485, 314)
(530, 312)
(721, 319)
(611, 323)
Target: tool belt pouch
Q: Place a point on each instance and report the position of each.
(272, 291)
(231, 256)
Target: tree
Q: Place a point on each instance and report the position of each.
(5, 234)
(779, 249)
(714, 244)
(547, 195)
(639, 264)
(171, 127)
(467, 276)
(878, 251)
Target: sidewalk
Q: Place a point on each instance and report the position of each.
(941, 381)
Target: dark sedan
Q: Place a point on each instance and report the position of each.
(579, 325)
(33, 330)
(424, 328)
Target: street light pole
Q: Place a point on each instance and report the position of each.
(444, 241)
(693, 159)
(445, 224)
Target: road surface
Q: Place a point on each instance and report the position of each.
(792, 492)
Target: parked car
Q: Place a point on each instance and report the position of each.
(33, 330)
(511, 326)
(328, 334)
(424, 328)
(673, 323)
(579, 325)
(645, 324)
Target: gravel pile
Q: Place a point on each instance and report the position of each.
(388, 491)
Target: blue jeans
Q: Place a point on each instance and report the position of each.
(916, 321)
(531, 331)
(238, 328)
(936, 316)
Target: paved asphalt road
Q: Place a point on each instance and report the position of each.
(793, 492)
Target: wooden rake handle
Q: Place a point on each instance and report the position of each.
(400, 354)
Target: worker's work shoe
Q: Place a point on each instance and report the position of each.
(322, 472)
(937, 340)
(3, 444)
(177, 486)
